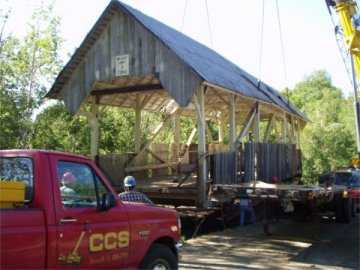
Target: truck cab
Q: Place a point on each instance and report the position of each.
(72, 218)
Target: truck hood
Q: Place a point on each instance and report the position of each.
(153, 220)
(151, 212)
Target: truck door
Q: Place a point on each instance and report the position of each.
(87, 237)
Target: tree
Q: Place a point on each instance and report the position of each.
(56, 129)
(27, 67)
(328, 141)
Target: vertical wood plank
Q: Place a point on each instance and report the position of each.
(221, 129)
(94, 129)
(269, 128)
(256, 124)
(232, 123)
(137, 127)
(284, 129)
(177, 134)
(202, 174)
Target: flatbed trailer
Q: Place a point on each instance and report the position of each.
(295, 197)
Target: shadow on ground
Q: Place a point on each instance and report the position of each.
(320, 244)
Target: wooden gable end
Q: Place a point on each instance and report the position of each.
(125, 37)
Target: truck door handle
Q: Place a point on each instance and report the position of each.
(67, 220)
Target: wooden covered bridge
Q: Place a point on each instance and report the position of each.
(133, 61)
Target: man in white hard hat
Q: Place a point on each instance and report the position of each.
(130, 194)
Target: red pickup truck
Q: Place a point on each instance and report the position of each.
(83, 225)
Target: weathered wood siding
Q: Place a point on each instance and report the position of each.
(265, 161)
(223, 168)
(124, 35)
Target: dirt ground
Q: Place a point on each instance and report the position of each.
(319, 244)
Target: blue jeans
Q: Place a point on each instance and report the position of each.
(243, 211)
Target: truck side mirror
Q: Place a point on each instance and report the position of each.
(107, 201)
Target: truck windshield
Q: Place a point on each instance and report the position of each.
(18, 169)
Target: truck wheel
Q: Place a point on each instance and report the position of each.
(160, 257)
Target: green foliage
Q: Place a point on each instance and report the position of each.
(328, 141)
(27, 68)
(13, 120)
(56, 129)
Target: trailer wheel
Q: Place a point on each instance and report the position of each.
(160, 257)
(343, 210)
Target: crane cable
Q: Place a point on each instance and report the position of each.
(209, 25)
(282, 48)
(183, 17)
(261, 41)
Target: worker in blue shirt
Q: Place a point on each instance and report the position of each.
(246, 207)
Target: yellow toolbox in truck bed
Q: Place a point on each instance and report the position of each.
(12, 194)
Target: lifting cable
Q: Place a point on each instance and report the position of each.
(209, 25)
(282, 49)
(261, 41)
(183, 17)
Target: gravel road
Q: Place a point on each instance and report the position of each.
(319, 244)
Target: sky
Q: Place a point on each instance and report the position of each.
(235, 32)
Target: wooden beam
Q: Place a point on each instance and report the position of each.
(232, 123)
(221, 98)
(191, 137)
(256, 124)
(202, 174)
(93, 118)
(269, 128)
(128, 89)
(156, 132)
(150, 167)
(146, 100)
(177, 134)
(221, 128)
(155, 155)
(248, 122)
(284, 129)
(293, 132)
(137, 126)
(298, 131)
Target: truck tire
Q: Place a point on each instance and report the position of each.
(160, 257)
(343, 209)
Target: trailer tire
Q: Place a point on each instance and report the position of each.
(343, 210)
(160, 257)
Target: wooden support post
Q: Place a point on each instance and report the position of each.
(202, 173)
(269, 128)
(185, 148)
(232, 123)
(297, 134)
(177, 135)
(137, 127)
(256, 124)
(293, 132)
(156, 132)
(94, 129)
(284, 129)
(248, 122)
(256, 130)
(221, 127)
